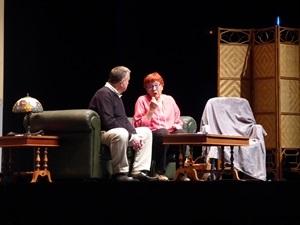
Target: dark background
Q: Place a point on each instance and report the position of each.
(61, 52)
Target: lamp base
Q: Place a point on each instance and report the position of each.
(39, 133)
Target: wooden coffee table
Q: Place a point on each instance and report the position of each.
(202, 140)
(39, 143)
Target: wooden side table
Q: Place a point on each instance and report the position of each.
(39, 143)
(202, 140)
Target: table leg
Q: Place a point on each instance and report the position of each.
(180, 170)
(180, 156)
(192, 174)
(189, 172)
(231, 159)
(222, 159)
(7, 165)
(186, 170)
(37, 172)
(232, 169)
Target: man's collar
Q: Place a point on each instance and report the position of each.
(113, 89)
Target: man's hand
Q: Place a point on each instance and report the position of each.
(137, 142)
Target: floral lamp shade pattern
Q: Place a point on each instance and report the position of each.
(27, 105)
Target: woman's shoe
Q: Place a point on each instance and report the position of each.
(183, 178)
(162, 177)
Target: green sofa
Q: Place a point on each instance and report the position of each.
(81, 155)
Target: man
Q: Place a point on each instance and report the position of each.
(118, 133)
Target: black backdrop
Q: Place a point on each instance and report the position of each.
(61, 52)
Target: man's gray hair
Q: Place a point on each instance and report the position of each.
(117, 74)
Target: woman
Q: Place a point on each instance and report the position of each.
(161, 114)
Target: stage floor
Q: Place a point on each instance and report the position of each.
(106, 202)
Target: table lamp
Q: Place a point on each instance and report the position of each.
(27, 105)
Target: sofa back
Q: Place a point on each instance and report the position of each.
(79, 133)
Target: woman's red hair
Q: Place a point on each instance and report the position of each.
(152, 77)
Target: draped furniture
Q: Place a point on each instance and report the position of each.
(234, 116)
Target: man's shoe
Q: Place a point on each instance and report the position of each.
(143, 177)
(122, 177)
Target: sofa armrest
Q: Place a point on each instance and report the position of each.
(79, 133)
(189, 124)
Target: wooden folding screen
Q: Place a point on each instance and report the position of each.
(263, 66)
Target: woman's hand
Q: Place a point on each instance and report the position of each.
(177, 127)
(153, 104)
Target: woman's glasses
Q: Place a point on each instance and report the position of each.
(153, 87)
